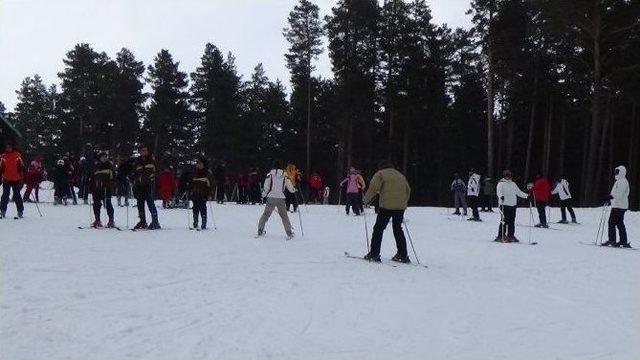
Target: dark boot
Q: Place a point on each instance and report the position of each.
(401, 259)
(140, 225)
(373, 258)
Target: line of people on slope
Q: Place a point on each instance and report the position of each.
(481, 191)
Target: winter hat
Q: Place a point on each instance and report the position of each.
(60, 162)
(384, 164)
(507, 174)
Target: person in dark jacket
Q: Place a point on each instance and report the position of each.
(143, 189)
(103, 175)
(219, 176)
(199, 190)
(541, 195)
(60, 177)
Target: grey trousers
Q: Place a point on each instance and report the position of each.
(273, 203)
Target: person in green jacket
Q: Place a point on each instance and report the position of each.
(489, 192)
(393, 191)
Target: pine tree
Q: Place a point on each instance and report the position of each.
(168, 127)
(216, 98)
(35, 116)
(304, 35)
(129, 101)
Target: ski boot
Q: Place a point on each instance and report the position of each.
(96, 224)
(20, 215)
(260, 233)
(623, 245)
(155, 225)
(140, 225)
(574, 221)
(401, 259)
(290, 236)
(513, 239)
(3, 215)
(563, 221)
(372, 258)
(609, 243)
(111, 224)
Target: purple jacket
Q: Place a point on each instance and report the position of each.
(352, 184)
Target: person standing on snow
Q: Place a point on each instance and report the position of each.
(562, 190)
(102, 178)
(458, 188)
(619, 201)
(508, 192)
(488, 191)
(541, 195)
(11, 168)
(273, 190)
(167, 185)
(473, 194)
(290, 198)
(143, 189)
(35, 174)
(60, 183)
(394, 192)
(199, 190)
(353, 191)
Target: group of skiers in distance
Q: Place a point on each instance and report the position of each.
(388, 189)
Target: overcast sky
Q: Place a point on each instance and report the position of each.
(36, 34)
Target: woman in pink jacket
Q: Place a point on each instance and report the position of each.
(354, 184)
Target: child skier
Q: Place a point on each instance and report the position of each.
(199, 190)
(60, 183)
(102, 178)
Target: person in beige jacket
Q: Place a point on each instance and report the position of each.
(394, 192)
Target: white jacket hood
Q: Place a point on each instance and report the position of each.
(621, 172)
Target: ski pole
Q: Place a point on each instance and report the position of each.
(411, 241)
(37, 206)
(600, 233)
(366, 230)
(213, 219)
(300, 218)
(127, 206)
(530, 222)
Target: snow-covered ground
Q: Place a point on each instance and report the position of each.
(68, 293)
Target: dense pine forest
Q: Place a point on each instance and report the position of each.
(536, 86)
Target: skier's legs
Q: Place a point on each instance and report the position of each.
(381, 223)
(284, 216)
(6, 188)
(27, 192)
(268, 209)
(152, 207)
(97, 204)
(140, 204)
(510, 218)
(473, 203)
(563, 208)
(613, 222)
(203, 212)
(570, 208)
(398, 234)
(621, 228)
(196, 212)
(109, 206)
(542, 213)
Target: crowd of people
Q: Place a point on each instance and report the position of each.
(140, 178)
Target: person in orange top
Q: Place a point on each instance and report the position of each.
(11, 168)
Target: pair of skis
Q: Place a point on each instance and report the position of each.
(99, 228)
(392, 264)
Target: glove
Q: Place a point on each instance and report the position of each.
(501, 198)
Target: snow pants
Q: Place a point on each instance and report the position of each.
(508, 222)
(7, 187)
(396, 217)
(473, 204)
(275, 203)
(542, 212)
(616, 220)
(147, 198)
(290, 199)
(566, 205)
(458, 201)
(98, 200)
(199, 210)
(353, 201)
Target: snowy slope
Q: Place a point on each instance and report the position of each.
(178, 294)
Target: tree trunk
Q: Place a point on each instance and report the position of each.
(563, 133)
(547, 140)
(490, 98)
(633, 154)
(590, 194)
(602, 148)
(532, 126)
(405, 149)
(308, 123)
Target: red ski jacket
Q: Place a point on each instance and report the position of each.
(542, 190)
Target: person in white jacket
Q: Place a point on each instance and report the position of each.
(619, 200)
(273, 190)
(562, 190)
(508, 192)
(473, 194)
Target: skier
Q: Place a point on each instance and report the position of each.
(325, 195)
(254, 186)
(242, 181)
(508, 192)
(72, 170)
(561, 189)
(394, 192)
(220, 179)
(273, 190)
(86, 170)
(541, 194)
(35, 174)
(102, 178)
(199, 190)
(166, 187)
(489, 191)
(316, 185)
(11, 168)
(458, 188)
(363, 188)
(354, 186)
(143, 188)
(619, 201)
(290, 198)
(473, 194)
(60, 183)
(123, 169)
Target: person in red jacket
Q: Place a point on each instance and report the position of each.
(35, 174)
(541, 195)
(11, 168)
(317, 187)
(166, 187)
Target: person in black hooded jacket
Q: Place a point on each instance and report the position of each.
(102, 178)
(199, 190)
(144, 178)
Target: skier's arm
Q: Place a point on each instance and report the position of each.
(289, 185)
(520, 193)
(266, 186)
(374, 189)
(556, 189)
(344, 181)
(500, 193)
